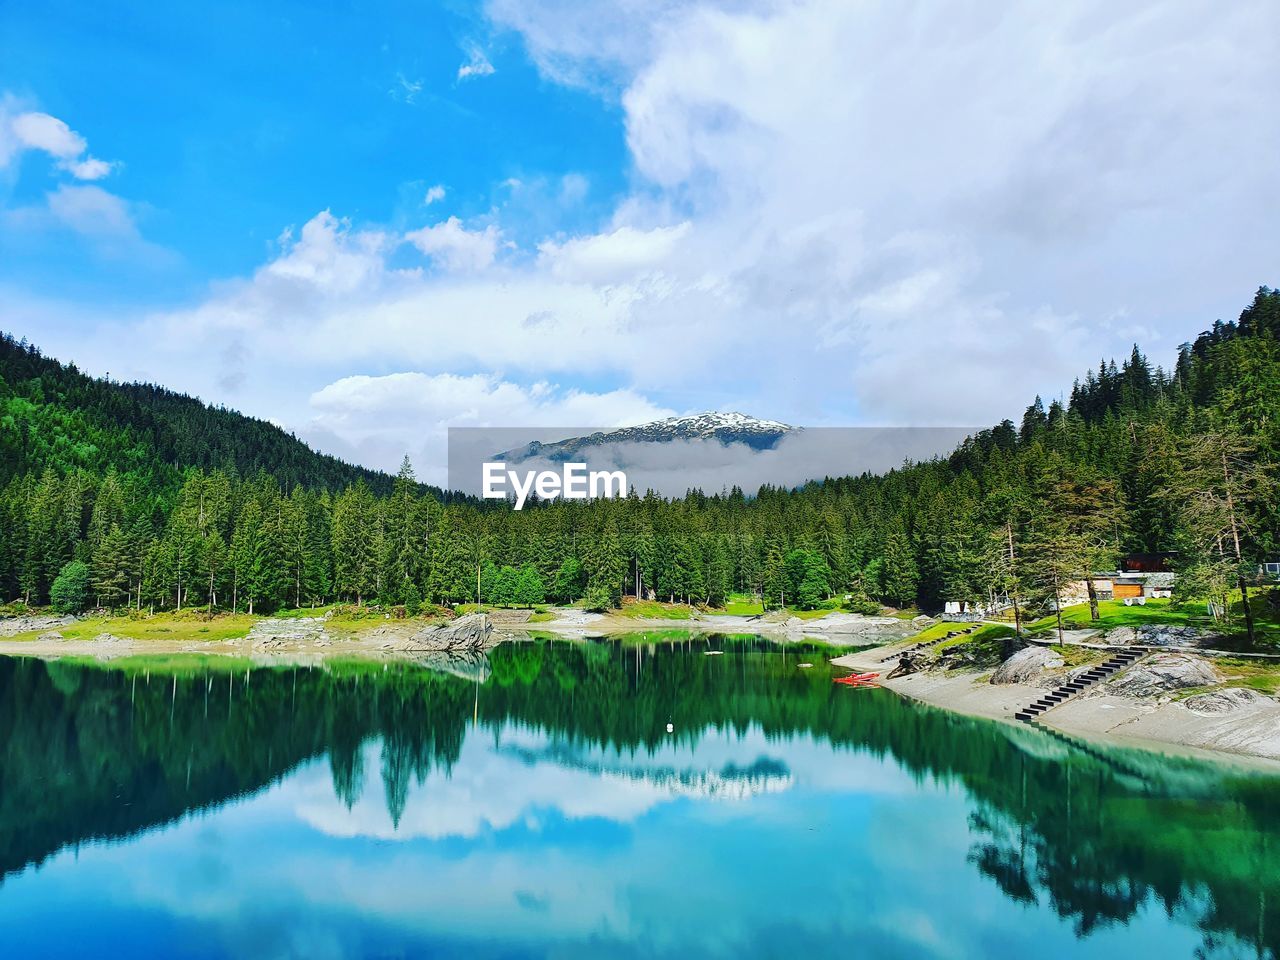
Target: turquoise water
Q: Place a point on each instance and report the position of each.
(536, 806)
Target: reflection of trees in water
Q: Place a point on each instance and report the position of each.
(1201, 853)
(89, 753)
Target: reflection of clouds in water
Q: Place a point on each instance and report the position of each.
(674, 467)
(859, 847)
(516, 776)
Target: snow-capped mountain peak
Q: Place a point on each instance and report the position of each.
(728, 428)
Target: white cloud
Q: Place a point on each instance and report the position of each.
(378, 419)
(103, 217)
(32, 130)
(477, 64)
(405, 90)
(619, 255)
(433, 195)
(455, 247)
(93, 211)
(329, 257)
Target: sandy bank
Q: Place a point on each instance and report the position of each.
(1249, 730)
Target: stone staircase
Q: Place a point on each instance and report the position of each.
(1103, 671)
(916, 647)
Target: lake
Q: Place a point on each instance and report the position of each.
(537, 806)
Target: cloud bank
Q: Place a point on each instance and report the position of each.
(881, 213)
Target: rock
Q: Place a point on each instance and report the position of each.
(1225, 701)
(274, 633)
(1155, 635)
(1026, 665)
(1162, 673)
(1159, 635)
(472, 632)
(1122, 636)
(12, 626)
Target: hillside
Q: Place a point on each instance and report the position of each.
(52, 415)
(1139, 458)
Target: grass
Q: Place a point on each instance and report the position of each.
(1075, 656)
(161, 626)
(1113, 614)
(653, 610)
(742, 605)
(807, 614)
(1260, 675)
(937, 630)
(986, 643)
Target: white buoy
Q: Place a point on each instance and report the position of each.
(671, 728)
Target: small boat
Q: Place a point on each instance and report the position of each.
(859, 679)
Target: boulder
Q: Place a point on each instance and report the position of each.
(1225, 701)
(1162, 673)
(1026, 665)
(472, 632)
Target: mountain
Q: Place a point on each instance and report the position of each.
(728, 428)
(54, 415)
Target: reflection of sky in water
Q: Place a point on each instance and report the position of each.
(534, 847)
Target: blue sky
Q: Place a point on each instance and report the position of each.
(233, 120)
(371, 222)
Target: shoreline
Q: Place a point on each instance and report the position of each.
(1249, 734)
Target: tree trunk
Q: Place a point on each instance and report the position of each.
(1235, 536)
(1248, 610)
(1017, 609)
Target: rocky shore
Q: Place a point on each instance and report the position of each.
(1172, 701)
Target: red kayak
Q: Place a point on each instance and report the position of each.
(859, 679)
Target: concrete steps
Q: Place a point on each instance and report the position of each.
(915, 647)
(1103, 671)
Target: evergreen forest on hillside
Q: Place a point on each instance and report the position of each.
(131, 496)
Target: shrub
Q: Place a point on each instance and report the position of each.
(70, 591)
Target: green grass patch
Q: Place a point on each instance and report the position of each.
(807, 614)
(1077, 656)
(653, 610)
(742, 605)
(934, 631)
(1260, 675)
(985, 645)
(160, 626)
(1114, 614)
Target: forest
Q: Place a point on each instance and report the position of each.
(129, 496)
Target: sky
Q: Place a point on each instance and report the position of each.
(369, 222)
